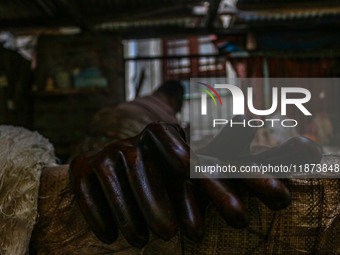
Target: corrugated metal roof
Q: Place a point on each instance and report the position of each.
(251, 5)
(54, 13)
(289, 14)
(127, 16)
(181, 22)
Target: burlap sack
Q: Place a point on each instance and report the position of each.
(61, 228)
(309, 226)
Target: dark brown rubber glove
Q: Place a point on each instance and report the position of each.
(123, 186)
(142, 183)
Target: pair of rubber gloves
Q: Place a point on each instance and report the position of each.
(142, 183)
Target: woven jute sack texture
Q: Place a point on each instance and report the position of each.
(310, 225)
(61, 228)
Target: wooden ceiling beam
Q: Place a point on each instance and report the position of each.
(147, 12)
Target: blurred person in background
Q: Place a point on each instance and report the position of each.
(129, 118)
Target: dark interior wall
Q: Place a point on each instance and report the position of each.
(15, 89)
(62, 111)
(67, 53)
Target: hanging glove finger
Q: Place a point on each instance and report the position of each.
(189, 214)
(111, 173)
(171, 154)
(91, 199)
(150, 191)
